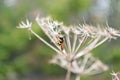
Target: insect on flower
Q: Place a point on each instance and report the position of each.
(60, 40)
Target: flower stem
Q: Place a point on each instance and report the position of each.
(77, 77)
(68, 75)
(68, 72)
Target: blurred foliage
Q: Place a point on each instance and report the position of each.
(24, 56)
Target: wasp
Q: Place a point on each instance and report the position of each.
(60, 41)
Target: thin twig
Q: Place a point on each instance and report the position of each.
(105, 39)
(81, 42)
(45, 42)
(88, 48)
(68, 42)
(74, 42)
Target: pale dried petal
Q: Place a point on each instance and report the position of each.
(25, 25)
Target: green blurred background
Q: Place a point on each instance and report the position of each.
(24, 59)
